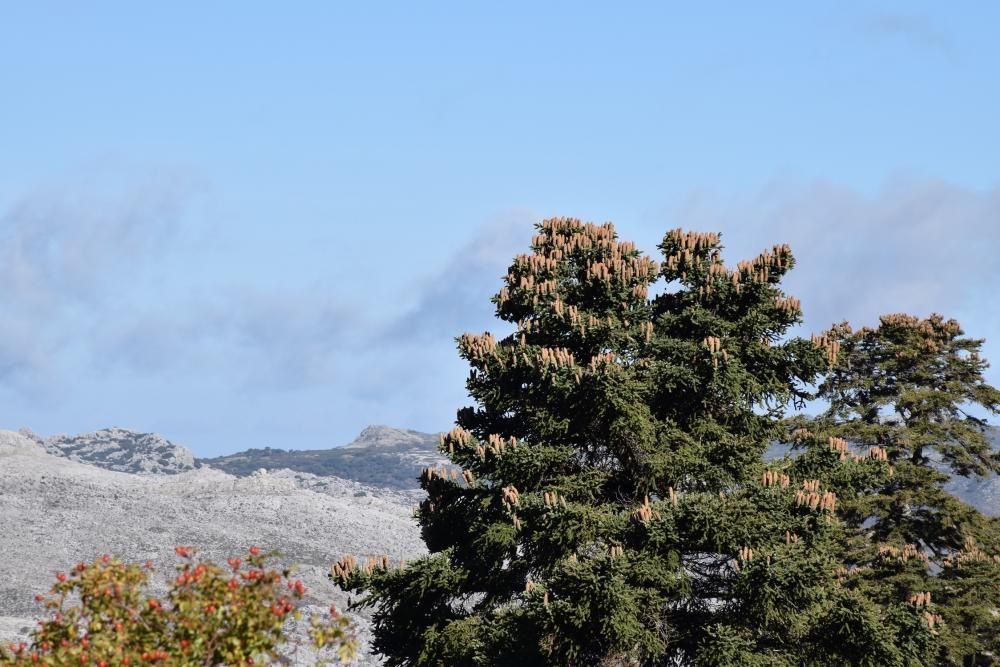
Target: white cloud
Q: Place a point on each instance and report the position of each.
(456, 297)
(916, 246)
(67, 257)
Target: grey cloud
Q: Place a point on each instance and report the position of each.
(456, 297)
(295, 340)
(412, 360)
(916, 246)
(19, 351)
(65, 245)
(89, 286)
(65, 257)
(916, 30)
(268, 339)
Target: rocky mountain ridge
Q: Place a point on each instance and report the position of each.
(121, 450)
(382, 457)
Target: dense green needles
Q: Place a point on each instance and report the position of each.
(609, 502)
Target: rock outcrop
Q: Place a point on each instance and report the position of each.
(122, 450)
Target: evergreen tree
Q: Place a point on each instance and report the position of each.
(608, 501)
(904, 392)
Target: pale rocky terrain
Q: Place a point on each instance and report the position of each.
(983, 494)
(120, 449)
(56, 511)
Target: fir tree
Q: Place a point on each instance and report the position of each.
(906, 392)
(608, 501)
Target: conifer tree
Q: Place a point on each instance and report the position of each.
(906, 392)
(608, 502)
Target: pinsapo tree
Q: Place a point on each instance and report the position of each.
(908, 391)
(608, 501)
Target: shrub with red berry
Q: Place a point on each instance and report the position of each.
(102, 614)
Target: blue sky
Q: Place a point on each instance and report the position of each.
(239, 225)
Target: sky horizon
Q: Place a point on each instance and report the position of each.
(242, 227)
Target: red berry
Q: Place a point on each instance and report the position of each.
(254, 550)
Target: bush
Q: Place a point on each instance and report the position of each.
(102, 614)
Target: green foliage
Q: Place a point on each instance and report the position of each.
(903, 393)
(608, 502)
(102, 614)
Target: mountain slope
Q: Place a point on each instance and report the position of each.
(120, 449)
(57, 511)
(392, 458)
(381, 456)
(984, 494)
